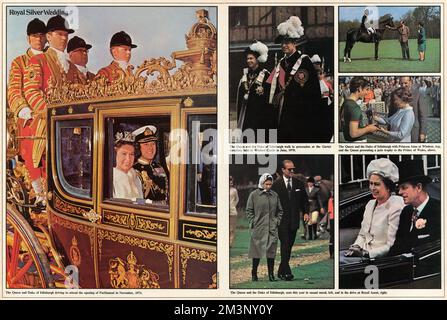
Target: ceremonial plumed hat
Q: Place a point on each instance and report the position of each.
(122, 39)
(36, 26)
(58, 23)
(145, 134)
(76, 43)
(291, 30)
(316, 59)
(259, 50)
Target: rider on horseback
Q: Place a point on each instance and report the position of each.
(366, 25)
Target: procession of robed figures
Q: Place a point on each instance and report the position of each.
(294, 100)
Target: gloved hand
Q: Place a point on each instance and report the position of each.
(354, 251)
(25, 113)
(306, 217)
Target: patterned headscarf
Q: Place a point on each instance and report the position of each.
(262, 179)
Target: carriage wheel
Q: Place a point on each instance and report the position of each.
(27, 265)
(17, 195)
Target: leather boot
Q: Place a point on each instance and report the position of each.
(254, 270)
(270, 267)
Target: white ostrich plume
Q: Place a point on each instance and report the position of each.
(292, 28)
(262, 49)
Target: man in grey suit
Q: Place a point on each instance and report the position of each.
(419, 131)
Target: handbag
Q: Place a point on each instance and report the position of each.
(313, 218)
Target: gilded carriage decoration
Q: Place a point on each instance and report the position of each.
(187, 254)
(137, 222)
(198, 72)
(125, 243)
(200, 233)
(213, 284)
(130, 275)
(75, 254)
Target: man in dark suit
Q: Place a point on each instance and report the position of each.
(293, 197)
(420, 220)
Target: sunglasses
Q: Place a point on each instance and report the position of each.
(290, 169)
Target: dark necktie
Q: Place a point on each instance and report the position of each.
(414, 217)
(289, 187)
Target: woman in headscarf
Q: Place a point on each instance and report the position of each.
(264, 214)
(381, 217)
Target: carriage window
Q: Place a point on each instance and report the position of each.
(201, 179)
(136, 161)
(74, 156)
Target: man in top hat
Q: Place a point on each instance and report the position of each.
(153, 176)
(295, 91)
(54, 64)
(420, 220)
(253, 110)
(78, 49)
(120, 49)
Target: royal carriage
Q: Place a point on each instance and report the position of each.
(418, 269)
(86, 238)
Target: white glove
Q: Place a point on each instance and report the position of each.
(25, 113)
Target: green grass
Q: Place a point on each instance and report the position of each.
(317, 275)
(390, 56)
(311, 276)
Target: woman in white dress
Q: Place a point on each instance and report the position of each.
(381, 216)
(126, 184)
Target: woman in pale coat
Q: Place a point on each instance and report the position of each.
(234, 200)
(381, 217)
(400, 123)
(264, 214)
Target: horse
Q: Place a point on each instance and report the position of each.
(359, 34)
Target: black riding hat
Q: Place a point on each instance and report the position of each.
(122, 39)
(58, 23)
(76, 43)
(36, 26)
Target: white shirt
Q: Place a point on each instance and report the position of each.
(422, 205)
(36, 52)
(123, 64)
(82, 69)
(286, 180)
(126, 185)
(63, 59)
